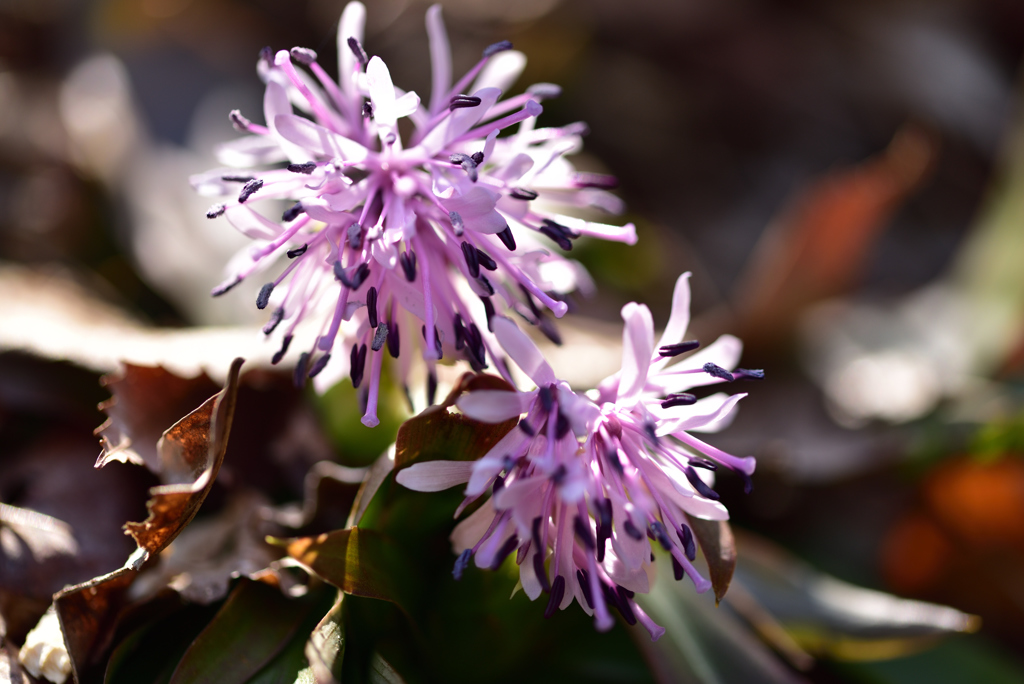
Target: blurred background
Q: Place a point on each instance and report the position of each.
(845, 180)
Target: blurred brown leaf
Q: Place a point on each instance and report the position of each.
(818, 245)
(719, 548)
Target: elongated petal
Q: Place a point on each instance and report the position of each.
(679, 320)
(637, 346)
(468, 532)
(250, 150)
(382, 92)
(501, 71)
(493, 406)
(317, 141)
(494, 460)
(523, 351)
(251, 223)
(353, 21)
(435, 476)
(476, 207)
(440, 59)
(277, 104)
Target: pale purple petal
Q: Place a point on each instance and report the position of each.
(523, 351)
(440, 59)
(637, 345)
(710, 414)
(494, 461)
(468, 532)
(501, 71)
(317, 141)
(493, 406)
(277, 104)
(434, 476)
(679, 320)
(476, 207)
(251, 223)
(353, 20)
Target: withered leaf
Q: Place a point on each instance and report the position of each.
(191, 452)
(719, 547)
(144, 401)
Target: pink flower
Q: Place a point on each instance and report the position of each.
(426, 237)
(585, 484)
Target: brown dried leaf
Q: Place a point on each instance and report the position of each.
(144, 401)
(190, 453)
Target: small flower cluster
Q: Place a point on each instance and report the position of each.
(585, 483)
(432, 236)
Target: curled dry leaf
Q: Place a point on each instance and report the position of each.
(719, 549)
(144, 401)
(190, 454)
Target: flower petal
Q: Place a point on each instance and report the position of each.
(382, 94)
(468, 532)
(434, 476)
(710, 414)
(679, 320)
(315, 140)
(637, 346)
(440, 59)
(523, 351)
(493, 406)
(277, 104)
(353, 20)
(501, 71)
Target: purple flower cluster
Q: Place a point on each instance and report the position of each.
(383, 244)
(586, 484)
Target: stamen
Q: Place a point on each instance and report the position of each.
(749, 374)
(508, 239)
(380, 337)
(624, 605)
(224, 287)
(367, 109)
(393, 346)
(547, 399)
(304, 168)
(275, 320)
(264, 296)
(408, 261)
(488, 288)
(677, 570)
(583, 577)
(279, 354)
(354, 235)
(508, 547)
(583, 533)
(292, 212)
(670, 350)
(358, 277)
(249, 188)
(300, 370)
(659, 532)
(557, 592)
(431, 388)
(461, 563)
(549, 330)
(357, 49)
(267, 55)
(523, 194)
(358, 364)
(689, 547)
(303, 56)
(679, 399)
(477, 157)
(239, 122)
(319, 365)
(476, 342)
(469, 253)
(486, 261)
(457, 225)
(558, 236)
(561, 425)
(558, 477)
(463, 101)
(717, 371)
(495, 48)
(630, 529)
(298, 251)
(236, 178)
(699, 484)
(604, 525)
(488, 312)
(215, 211)
(371, 307)
(703, 463)
(538, 568)
(525, 426)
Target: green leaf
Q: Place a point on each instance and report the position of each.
(254, 624)
(719, 548)
(357, 561)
